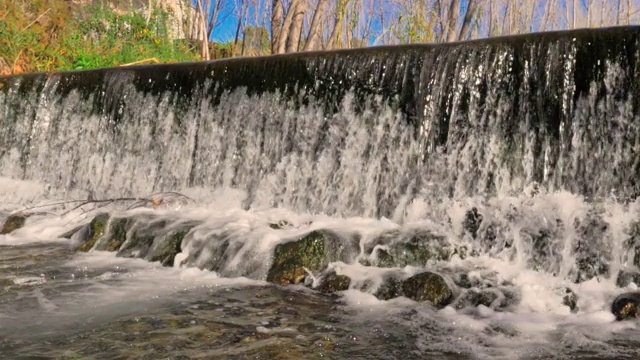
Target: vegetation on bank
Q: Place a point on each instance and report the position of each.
(46, 35)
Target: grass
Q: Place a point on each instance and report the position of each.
(50, 35)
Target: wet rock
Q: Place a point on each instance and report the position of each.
(475, 297)
(116, 235)
(279, 225)
(332, 282)
(313, 252)
(570, 299)
(96, 230)
(428, 286)
(627, 277)
(462, 280)
(592, 249)
(390, 288)
(13, 223)
(167, 249)
(502, 329)
(415, 247)
(632, 243)
(626, 306)
(142, 234)
(472, 221)
(69, 234)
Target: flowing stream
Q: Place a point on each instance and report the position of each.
(518, 155)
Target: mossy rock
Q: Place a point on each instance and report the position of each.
(142, 236)
(167, 249)
(97, 228)
(428, 286)
(333, 282)
(415, 248)
(390, 288)
(626, 306)
(13, 223)
(314, 252)
(116, 236)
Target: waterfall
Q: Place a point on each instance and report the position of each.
(355, 132)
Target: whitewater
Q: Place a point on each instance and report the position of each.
(518, 155)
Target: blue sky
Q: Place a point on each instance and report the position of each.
(227, 20)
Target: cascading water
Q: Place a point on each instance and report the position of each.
(514, 159)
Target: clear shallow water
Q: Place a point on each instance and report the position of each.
(55, 303)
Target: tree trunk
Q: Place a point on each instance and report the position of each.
(454, 11)
(215, 10)
(203, 29)
(341, 7)
(314, 29)
(468, 18)
(286, 27)
(293, 42)
(276, 25)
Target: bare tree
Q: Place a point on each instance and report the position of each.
(454, 11)
(314, 28)
(276, 24)
(286, 26)
(468, 19)
(293, 39)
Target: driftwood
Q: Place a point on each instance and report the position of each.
(153, 200)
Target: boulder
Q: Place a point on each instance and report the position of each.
(142, 235)
(627, 277)
(95, 231)
(168, 247)
(626, 306)
(399, 249)
(428, 286)
(472, 221)
(116, 235)
(332, 282)
(13, 222)
(313, 252)
(390, 288)
(592, 249)
(474, 297)
(570, 299)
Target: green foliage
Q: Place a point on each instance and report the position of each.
(46, 35)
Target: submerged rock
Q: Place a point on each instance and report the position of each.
(13, 223)
(390, 288)
(314, 252)
(570, 299)
(332, 282)
(474, 297)
(626, 306)
(116, 235)
(69, 234)
(415, 248)
(627, 277)
(166, 249)
(428, 286)
(95, 230)
(592, 249)
(472, 221)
